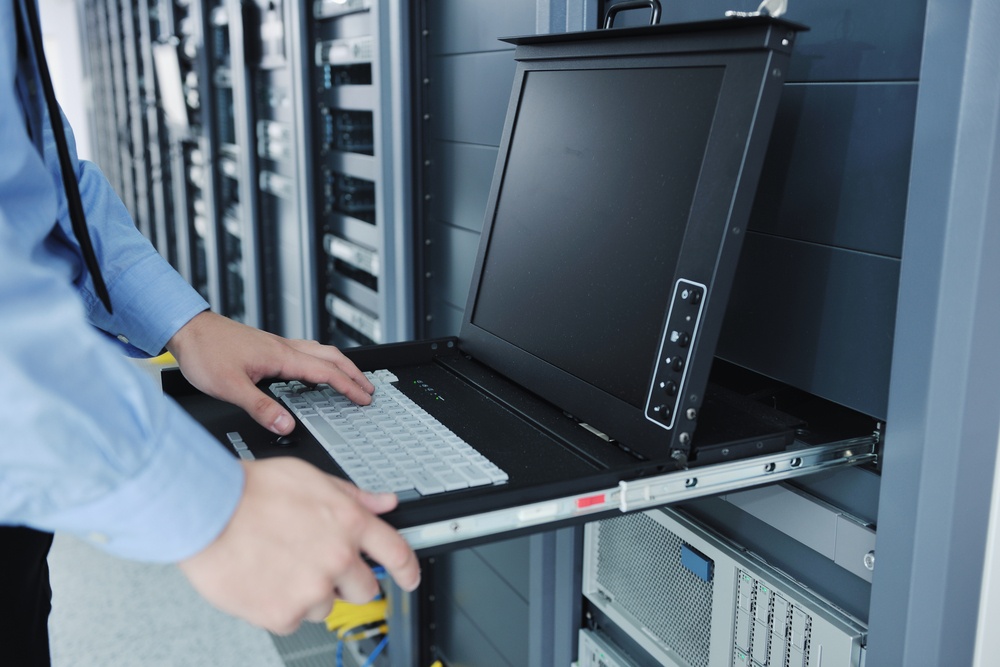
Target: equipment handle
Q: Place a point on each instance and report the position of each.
(654, 6)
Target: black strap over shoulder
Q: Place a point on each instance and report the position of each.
(26, 17)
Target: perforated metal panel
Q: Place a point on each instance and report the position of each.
(746, 614)
(639, 566)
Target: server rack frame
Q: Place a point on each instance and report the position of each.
(243, 130)
(107, 127)
(379, 311)
(137, 137)
(207, 141)
(123, 155)
(157, 146)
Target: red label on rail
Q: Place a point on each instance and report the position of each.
(588, 501)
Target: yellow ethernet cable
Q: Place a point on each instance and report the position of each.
(346, 616)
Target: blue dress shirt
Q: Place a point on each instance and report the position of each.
(89, 445)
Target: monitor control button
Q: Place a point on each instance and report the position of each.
(681, 338)
(663, 411)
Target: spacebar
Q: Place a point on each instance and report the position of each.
(326, 434)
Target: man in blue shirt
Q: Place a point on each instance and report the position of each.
(90, 447)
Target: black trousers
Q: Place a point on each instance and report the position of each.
(25, 596)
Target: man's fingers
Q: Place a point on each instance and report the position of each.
(384, 545)
(381, 542)
(262, 408)
(300, 540)
(376, 503)
(321, 364)
(268, 412)
(309, 369)
(357, 584)
(336, 357)
(319, 611)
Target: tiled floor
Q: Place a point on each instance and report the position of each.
(108, 612)
(112, 612)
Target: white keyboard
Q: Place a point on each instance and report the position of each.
(390, 445)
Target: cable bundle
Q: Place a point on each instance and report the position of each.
(354, 622)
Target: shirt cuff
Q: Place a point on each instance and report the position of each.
(154, 516)
(149, 317)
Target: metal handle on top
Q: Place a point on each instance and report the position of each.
(654, 6)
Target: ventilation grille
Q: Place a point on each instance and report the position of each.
(639, 567)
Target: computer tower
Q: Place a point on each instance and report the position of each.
(689, 598)
(597, 650)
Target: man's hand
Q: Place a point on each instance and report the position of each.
(294, 544)
(226, 359)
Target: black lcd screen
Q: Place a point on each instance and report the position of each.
(591, 213)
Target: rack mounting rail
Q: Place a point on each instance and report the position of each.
(648, 492)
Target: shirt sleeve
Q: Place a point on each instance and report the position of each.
(150, 300)
(89, 445)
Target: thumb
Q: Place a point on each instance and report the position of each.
(265, 410)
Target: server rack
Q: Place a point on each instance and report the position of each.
(122, 94)
(280, 189)
(125, 124)
(105, 111)
(225, 141)
(240, 246)
(329, 181)
(845, 125)
(891, 629)
(361, 239)
(212, 215)
(93, 71)
(157, 146)
(137, 136)
(272, 33)
(347, 261)
(188, 147)
(179, 171)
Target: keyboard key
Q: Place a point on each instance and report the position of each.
(390, 445)
(404, 495)
(475, 476)
(497, 476)
(326, 434)
(366, 480)
(453, 481)
(424, 482)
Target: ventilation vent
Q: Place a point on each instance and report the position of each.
(639, 567)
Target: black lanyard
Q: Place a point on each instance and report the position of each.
(73, 202)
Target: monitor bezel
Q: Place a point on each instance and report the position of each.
(720, 209)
